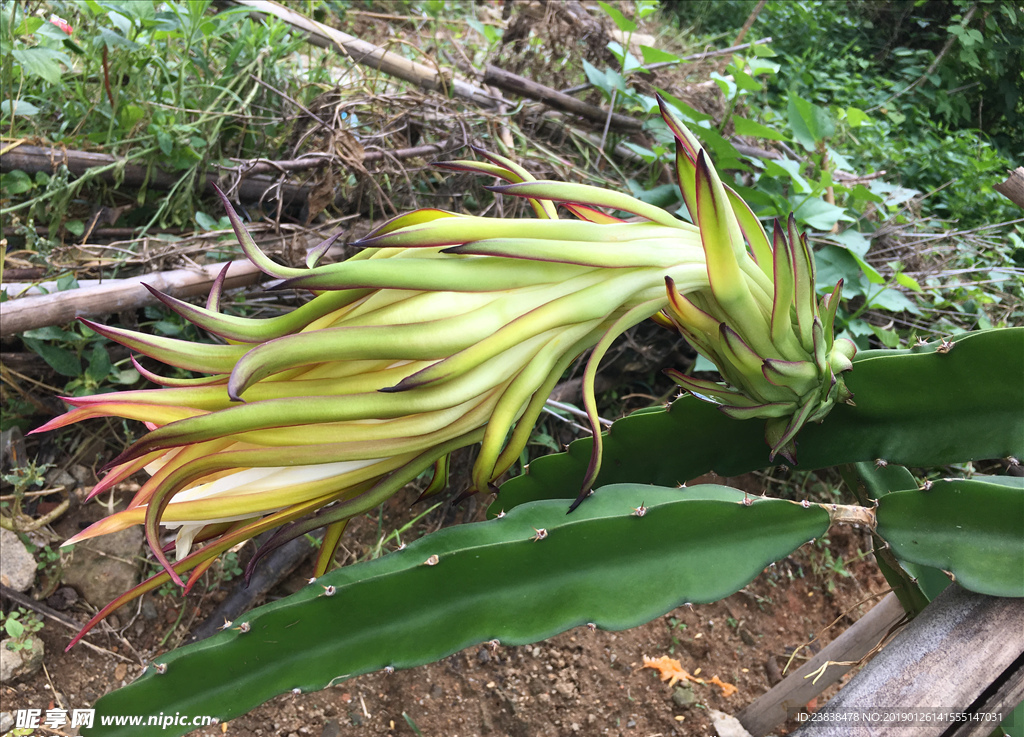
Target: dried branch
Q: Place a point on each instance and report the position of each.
(370, 55)
(118, 295)
(1013, 187)
(31, 159)
(509, 82)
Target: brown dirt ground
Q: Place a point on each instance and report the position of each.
(577, 683)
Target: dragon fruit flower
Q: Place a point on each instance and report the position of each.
(444, 331)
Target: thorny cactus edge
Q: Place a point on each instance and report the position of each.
(448, 330)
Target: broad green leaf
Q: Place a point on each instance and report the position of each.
(745, 127)
(970, 527)
(41, 62)
(604, 564)
(870, 272)
(810, 123)
(909, 282)
(857, 117)
(914, 407)
(596, 77)
(726, 85)
(656, 56)
(819, 214)
(99, 364)
(745, 82)
(853, 242)
(16, 182)
(894, 301)
(790, 169)
(61, 360)
(623, 23)
(18, 107)
(114, 40)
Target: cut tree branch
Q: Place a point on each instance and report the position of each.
(509, 82)
(370, 55)
(1013, 187)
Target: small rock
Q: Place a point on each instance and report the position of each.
(105, 567)
(683, 697)
(483, 656)
(17, 566)
(16, 665)
(748, 638)
(773, 671)
(60, 477)
(631, 723)
(331, 729)
(355, 718)
(63, 598)
(726, 725)
(436, 692)
(6, 722)
(566, 688)
(82, 475)
(149, 610)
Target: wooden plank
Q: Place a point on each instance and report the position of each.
(945, 661)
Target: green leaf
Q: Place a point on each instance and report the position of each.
(973, 528)
(18, 107)
(750, 128)
(909, 282)
(16, 182)
(163, 138)
(656, 56)
(115, 40)
(75, 227)
(61, 360)
(787, 168)
(853, 242)
(857, 117)
(41, 62)
(745, 82)
(810, 123)
(819, 214)
(596, 77)
(99, 364)
(624, 24)
(914, 407)
(894, 301)
(603, 564)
